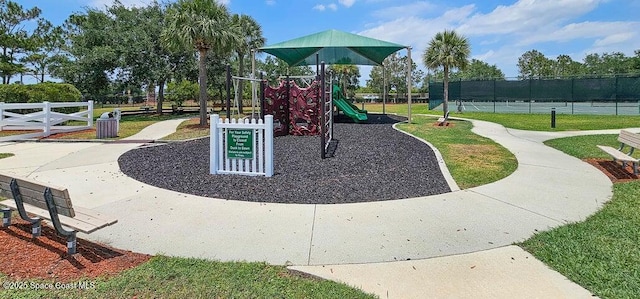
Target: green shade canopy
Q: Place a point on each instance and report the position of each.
(333, 47)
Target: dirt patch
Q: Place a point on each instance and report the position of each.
(445, 124)
(68, 135)
(46, 257)
(468, 154)
(614, 170)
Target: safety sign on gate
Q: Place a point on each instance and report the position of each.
(240, 144)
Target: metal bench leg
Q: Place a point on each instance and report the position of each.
(72, 243)
(6, 217)
(53, 212)
(36, 227)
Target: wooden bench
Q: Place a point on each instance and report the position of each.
(51, 203)
(629, 139)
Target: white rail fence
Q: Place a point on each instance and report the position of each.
(242, 147)
(46, 121)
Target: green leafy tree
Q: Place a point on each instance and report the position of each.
(479, 70)
(202, 25)
(47, 43)
(447, 50)
(348, 78)
(635, 63)
(144, 61)
(395, 68)
(14, 39)
(273, 67)
(89, 59)
(182, 91)
(250, 38)
(534, 65)
(565, 67)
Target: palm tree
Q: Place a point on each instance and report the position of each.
(447, 50)
(250, 38)
(203, 25)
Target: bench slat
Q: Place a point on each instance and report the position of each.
(37, 186)
(85, 223)
(33, 193)
(93, 217)
(34, 198)
(617, 154)
(629, 138)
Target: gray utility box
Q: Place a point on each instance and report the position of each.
(106, 128)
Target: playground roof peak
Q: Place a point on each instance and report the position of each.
(333, 47)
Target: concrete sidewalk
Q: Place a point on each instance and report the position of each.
(548, 189)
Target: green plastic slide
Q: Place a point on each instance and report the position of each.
(347, 107)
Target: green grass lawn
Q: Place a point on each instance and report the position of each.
(584, 147)
(169, 277)
(601, 253)
(189, 129)
(536, 122)
(129, 125)
(472, 160)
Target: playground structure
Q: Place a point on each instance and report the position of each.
(310, 110)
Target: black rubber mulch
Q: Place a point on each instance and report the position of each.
(372, 162)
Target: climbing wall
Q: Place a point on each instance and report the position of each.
(303, 117)
(276, 104)
(304, 110)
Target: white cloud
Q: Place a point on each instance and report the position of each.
(527, 15)
(583, 30)
(412, 9)
(617, 38)
(347, 3)
(501, 35)
(415, 31)
(271, 2)
(320, 7)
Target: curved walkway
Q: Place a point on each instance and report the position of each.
(548, 189)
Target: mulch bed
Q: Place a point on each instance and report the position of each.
(613, 170)
(22, 257)
(371, 162)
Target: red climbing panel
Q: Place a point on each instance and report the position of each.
(304, 110)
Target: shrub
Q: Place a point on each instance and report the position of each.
(38, 93)
(182, 91)
(14, 93)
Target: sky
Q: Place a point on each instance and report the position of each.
(499, 31)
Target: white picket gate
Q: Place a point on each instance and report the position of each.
(242, 146)
(46, 121)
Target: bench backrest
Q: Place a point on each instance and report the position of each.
(630, 139)
(33, 194)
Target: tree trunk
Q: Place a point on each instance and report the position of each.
(240, 82)
(160, 96)
(151, 93)
(202, 78)
(221, 94)
(445, 103)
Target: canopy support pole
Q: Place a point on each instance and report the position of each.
(409, 63)
(384, 89)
